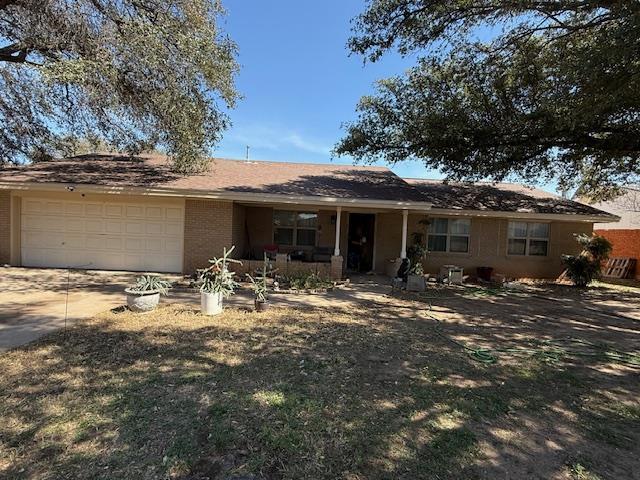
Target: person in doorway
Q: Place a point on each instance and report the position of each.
(358, 248)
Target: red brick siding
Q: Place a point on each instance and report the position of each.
(207, 230)
(626, 243)
(5, 227)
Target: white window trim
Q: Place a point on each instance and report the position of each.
(448, 236)
(527, 239)
(295, 228)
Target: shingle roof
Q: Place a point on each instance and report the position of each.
(303, 179)
(295, 179)
(626, 206)
(500, 197)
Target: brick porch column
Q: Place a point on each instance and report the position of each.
(336, 267)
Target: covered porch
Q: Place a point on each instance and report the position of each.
(330, 241)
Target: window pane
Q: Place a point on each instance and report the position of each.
(306, 238)
(437, 243)
(459, 244)
(517, 229)
(517, 247)
(538, 247)
(282, 218)
(283, 236)
(438, 225)
(539, 230)
(460, 226)
(307, 220)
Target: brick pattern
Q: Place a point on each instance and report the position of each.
(238, 233)
(5, 227)
(208, 227)
(626, 243)
(487, 247)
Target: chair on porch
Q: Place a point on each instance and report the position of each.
(271, 251)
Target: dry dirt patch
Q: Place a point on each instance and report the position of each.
(374, 393)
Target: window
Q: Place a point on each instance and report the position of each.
(294, 228)
(528, 238)
(449, 235)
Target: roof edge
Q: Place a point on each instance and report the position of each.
(605, 218)
(216, 194)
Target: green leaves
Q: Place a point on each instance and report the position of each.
(554, 93)
(134, 74)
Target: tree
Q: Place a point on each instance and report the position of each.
(554, 92)
(132, 74)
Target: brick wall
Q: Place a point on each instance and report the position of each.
(626, 243)
(5, 227)
(239, 231)
(487, 247)
(208, 228)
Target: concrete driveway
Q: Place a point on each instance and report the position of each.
(34, 301)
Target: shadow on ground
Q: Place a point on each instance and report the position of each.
(373, 388)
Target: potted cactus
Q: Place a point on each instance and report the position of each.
(144, 294)
(216, 283)
(259, 285)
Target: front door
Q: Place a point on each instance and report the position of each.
(360, 249)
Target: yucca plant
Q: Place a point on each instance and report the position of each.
(259, 282)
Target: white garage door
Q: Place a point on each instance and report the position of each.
(102, 235)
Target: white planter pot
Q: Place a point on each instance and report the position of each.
(141, 302)
(210, 303)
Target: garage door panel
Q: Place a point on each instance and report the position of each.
(154, 212)
(174, 213)
(135, 211)
(102, 235)
(93, 209)
(154, 228)
(173, 229)
(32, 206)
(113, 226)
(94, 226)
(113, 243)
(74, 209)
(54, 208)
(113, 210)
(75, 241)
(74, 224)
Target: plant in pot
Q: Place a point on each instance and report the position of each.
(259, 285)
(416, 253)
(216, 283)
(144, 294)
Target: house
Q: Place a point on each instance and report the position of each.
(624, 235)
(123, 213)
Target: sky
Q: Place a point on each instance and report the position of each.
(298, 81)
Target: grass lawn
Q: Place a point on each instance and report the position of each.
(375, 392)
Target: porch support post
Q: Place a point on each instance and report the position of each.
(405, 220)
(336, 250)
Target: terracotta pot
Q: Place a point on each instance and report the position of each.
(261, 306)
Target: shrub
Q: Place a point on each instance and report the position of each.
(307, 281)
(584, 268)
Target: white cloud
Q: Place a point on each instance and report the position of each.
(276, 139)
